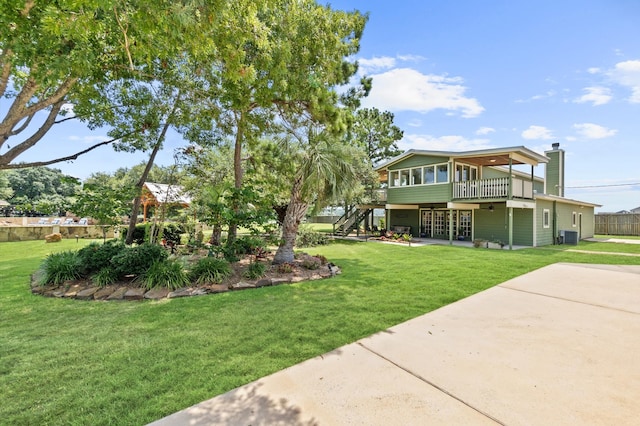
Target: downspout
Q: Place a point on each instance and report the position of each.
(555, 225)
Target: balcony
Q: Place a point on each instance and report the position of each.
(485, 189)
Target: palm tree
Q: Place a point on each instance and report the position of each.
(323, 168)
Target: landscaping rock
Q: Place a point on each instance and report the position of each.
(241, 286)
(279, 281)
(87, 293)
(74, 290)
(199, 292)
(134, 294)
(53, 238)
(156, 293)
(118, 294)
(218, 288)
(264, 282)
(104, 292)
(181, 292)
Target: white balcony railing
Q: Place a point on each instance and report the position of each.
(492, 188)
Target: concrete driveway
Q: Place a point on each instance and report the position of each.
(557, 346)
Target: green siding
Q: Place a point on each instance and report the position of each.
(523, 227)
(491, 173)
(538, 187)
(562, 214)
(440, 192)
(405, 218)
(417, 161)
(492, 225)
(495, 225)
(553, 172)
(544, 236)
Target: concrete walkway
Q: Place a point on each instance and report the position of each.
(560, 346)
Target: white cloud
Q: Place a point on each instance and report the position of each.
(593, 131)
(405, 89)
(627, 74)
(548, 94)
(537, 132)
(596, 94)
(442, 143)
(376, 64)
(485, 130)
(593, 70)
(415, 123)
(382, 63)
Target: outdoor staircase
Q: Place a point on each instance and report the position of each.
(350, 220)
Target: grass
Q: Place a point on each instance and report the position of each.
(73, 362)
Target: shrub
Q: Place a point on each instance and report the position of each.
(285, 268)
(249, 245)
(60, 267)
(137, 260)
(310, 262)
(210, 270)
(307, 237)
(255, 270)
(138, 234)
(168, 274)
(172, 233)
(322, 259)
(105, 276)
(97, 256)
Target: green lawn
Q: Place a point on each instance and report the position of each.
(74, 362)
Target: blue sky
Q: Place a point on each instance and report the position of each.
(466, 74)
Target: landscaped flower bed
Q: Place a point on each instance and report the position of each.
(112, 271)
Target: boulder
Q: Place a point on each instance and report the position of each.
(118, 294)
(134, 294)
(156, 293)
(87, 293)
(56, 237)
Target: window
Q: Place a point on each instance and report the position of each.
(429, 174)
(466, 173)
(416, 176)
(546, 218)
(574, 219)
(404, 177)
(426, 175)
(394, 179)
(442, 173)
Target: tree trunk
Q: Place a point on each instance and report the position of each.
(296, 211)
(237, 176)
(136, 202)
(216, 235)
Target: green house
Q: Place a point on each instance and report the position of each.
(489, 194)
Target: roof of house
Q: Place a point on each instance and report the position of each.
(4, 203)
(566, 200)
(483, 157)
(167, 194)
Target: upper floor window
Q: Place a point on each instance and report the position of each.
(438, 173)
(465, 172)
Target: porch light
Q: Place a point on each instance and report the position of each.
(493, 160)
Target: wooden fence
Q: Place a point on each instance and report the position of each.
(617, 224)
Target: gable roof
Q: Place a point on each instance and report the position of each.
(167, 194)
(483, 157)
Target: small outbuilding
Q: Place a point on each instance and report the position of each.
(158, 194)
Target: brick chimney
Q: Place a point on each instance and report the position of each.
(554, 171)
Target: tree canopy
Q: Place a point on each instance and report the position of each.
(58, 56)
